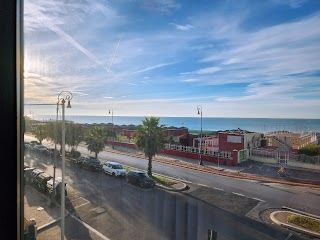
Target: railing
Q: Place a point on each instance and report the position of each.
(292, 157)
(281, 141)
(205, 151)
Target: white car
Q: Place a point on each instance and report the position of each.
(115, 169)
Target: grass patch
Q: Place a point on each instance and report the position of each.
(305, 222)
(163, 181)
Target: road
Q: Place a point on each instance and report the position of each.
(123, 211)
(276, 195)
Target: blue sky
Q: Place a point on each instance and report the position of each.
(164, 58)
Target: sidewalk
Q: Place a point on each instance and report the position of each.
(37, 207)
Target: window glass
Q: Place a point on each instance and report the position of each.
(177, 90)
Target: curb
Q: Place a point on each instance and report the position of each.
(219, 172)
(46, 226)
(172, 189)
(301, 212)
(299, 229)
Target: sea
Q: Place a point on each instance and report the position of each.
(262, 125)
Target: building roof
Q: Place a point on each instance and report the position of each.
(236, 131)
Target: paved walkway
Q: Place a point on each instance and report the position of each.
(37, 207)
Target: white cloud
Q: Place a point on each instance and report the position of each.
(186, 27)
(153, 67)
(208, 70)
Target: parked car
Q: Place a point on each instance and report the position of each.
(57, 186)
(27, 174)
(115, 169)
(141, 178)
(34, 174)
(40, 181)
(90, 163)
(54, 151)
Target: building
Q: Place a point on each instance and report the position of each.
(294, 141)
(238, 140)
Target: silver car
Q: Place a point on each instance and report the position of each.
(115, 169)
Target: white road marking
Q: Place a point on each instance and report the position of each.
(220, 189)
(239, 194)
(86, 202)
(289, 236)
(200, 184)
(258, 199)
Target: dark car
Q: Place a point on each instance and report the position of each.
(90, 163)
(40, 181)
(141, 178)
(34, 174)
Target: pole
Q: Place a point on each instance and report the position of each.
(63, 172)
(218, 157)
(199, 108)
(55, 159)
(201, 141)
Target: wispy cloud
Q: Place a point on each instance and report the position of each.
(52, 26)
(186, 27)
(208, 70)
(162, 6)
(153, 67)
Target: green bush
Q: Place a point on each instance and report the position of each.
(310, 150)
(305, 222)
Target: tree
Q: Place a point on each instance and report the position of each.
(40, 132)
(150, 139)
(74, 134)
(95, 139)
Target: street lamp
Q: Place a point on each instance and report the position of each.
(61, 100)
(199, 108)
(111, 111)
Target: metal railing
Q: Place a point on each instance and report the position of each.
(302, 158)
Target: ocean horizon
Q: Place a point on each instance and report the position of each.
(262, 125)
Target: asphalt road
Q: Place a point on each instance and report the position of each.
(276, 195)
(123, 211)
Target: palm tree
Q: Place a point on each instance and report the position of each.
(150, 139)
(95, 139)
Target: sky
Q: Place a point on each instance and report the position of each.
(233, 58)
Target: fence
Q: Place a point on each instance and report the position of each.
(204, 151)
(302, 158)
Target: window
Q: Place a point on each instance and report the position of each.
(96, 70)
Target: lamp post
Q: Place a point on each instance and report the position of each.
(111, 111)
(199, 108)
(62, 100)
(55, 158)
